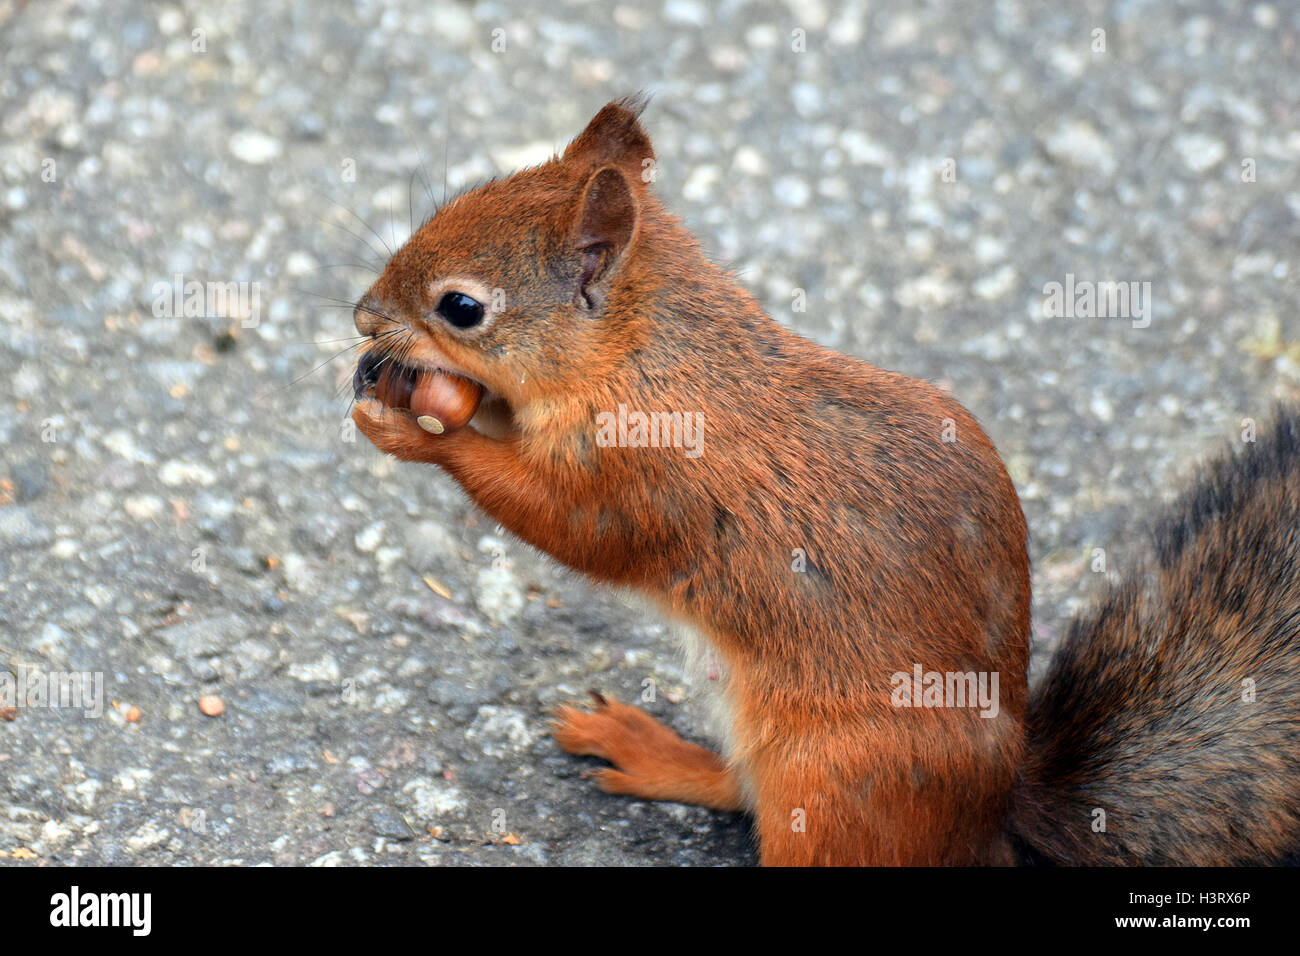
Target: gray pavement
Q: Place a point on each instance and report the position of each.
(181, 511)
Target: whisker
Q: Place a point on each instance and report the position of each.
(358, 219)
(427, 180)
(355, 235)
(446, 150)
(354, 264)
(349, 338)
(355, 345)
(410, 206)
(332, 299)
(392, 233)
(334, 302)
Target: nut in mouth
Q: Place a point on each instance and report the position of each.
(441, 401)
(376, 368)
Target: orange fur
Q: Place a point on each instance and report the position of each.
(842, 525)
(915, 545)
(653, 762)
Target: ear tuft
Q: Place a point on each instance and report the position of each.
(614, 137)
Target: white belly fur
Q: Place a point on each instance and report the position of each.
(710, 680)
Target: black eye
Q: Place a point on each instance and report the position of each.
(460, 310)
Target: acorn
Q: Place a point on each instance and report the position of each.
(443, 402)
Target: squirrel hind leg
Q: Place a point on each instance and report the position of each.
(650, 760)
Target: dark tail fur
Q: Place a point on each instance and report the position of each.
(1146, 713)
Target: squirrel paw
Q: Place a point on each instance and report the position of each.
(650, 760)
(394, 431)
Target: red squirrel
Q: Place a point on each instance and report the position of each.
(849, 545)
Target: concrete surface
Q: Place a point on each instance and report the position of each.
(180, 511)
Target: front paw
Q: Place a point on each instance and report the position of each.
(394, 431)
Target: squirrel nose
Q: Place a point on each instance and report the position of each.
(368, 315)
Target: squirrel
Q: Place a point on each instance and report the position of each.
(847, 543)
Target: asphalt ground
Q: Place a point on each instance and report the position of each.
(181, 512)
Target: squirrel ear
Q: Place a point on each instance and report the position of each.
(615, 138)
(604, 229)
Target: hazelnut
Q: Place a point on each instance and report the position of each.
(394, 386)
(442, 402)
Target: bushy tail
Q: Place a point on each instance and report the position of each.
(1167, 730)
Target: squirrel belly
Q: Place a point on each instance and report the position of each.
(845, 539)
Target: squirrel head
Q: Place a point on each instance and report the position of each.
(515, 284)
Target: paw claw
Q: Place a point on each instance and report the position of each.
(613, 781)
(650, 760)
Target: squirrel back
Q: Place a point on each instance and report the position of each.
(1167, 729)
(845, 539)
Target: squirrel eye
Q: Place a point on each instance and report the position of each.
(460, 310)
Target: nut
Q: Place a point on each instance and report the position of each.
(442, 402)
(395, 385)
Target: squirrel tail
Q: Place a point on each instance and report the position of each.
(1167, 729)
